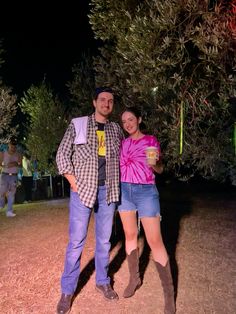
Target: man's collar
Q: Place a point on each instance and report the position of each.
(94, 122)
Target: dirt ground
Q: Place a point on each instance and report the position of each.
(198, 230)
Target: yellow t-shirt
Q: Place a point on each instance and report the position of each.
(101, 143)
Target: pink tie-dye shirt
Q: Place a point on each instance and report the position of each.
(133, 165)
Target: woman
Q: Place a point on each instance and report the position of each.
(139, 193)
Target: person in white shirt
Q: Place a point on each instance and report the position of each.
(11, 161)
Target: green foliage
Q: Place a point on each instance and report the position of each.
(82, 86)
(160, 53)
(8, 109)
(1, 53)
(45, 126)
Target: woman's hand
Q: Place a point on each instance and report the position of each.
(158, 167)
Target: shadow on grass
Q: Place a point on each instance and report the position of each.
(175, 204)
(117, 237)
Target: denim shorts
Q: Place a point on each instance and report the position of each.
(143, 198)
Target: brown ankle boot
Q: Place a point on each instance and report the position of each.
(168, 288)
(134, 279)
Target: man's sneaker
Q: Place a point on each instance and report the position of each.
(10, 214)
(64, 304)
(107, 291)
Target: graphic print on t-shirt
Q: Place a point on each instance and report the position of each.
(101, 143)
(101, 154)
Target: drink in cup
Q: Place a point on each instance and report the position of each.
(152, 155)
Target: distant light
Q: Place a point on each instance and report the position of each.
(154, 89)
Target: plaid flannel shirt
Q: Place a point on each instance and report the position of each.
(81, 160)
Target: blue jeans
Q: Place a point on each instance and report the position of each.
(78, 227)
(8, 186)
(141, 197)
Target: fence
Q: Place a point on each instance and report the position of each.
(46, 187)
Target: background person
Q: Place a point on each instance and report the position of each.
(89, 159)
(36, 174)
(10, 160)
(139, 193)
(27, 177)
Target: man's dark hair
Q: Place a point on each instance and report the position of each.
(100, 90)
(13, 141)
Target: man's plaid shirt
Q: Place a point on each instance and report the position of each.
(81, 160)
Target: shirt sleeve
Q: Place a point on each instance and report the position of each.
(64, 152)
(156, 143)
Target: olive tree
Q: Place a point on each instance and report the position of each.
(176, 60)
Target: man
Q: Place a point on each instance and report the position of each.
(10, 161)
(88, 157)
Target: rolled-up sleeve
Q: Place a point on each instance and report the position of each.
(64, 152)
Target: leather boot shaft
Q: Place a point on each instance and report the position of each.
(168, 287)
(134, 280)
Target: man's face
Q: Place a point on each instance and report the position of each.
(12, 148)
(104, 104)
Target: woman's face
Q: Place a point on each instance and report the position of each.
(130, 122)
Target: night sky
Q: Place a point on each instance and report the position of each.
(45, 45)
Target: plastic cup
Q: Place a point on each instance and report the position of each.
(151, 155)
